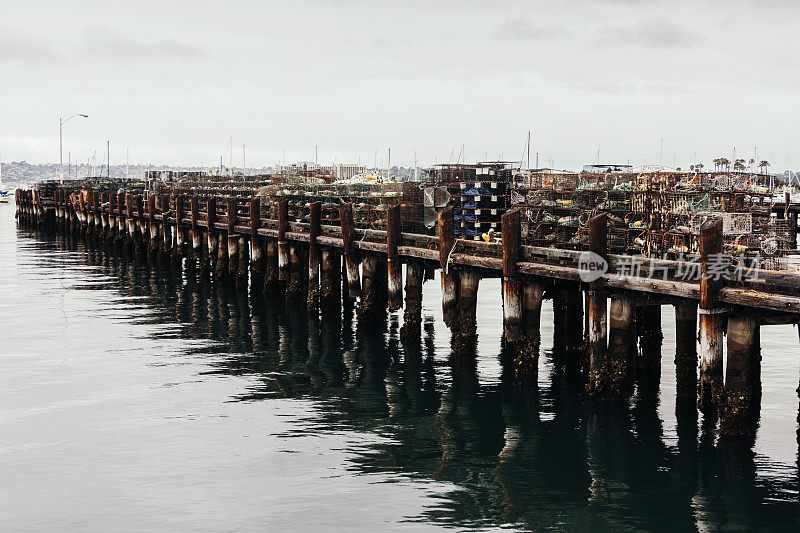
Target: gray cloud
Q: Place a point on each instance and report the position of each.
(25, 49)
(103, 41)
(523, 28)
(653, 33)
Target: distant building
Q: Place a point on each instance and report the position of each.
(343, 171)
(328, 172)
(600, 169)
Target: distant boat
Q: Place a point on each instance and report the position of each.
(5, 194)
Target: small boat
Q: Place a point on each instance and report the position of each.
(5, 194)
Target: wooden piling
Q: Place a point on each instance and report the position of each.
(526, 350)
(221, 267)
(742, 390)
(394, 264)
(330, 280)
(464, 330)
(314, 231)
(512, 286)
(271, 284)
(242, 262)
(412, 315)
(179, 251)
(140, 227)
(121, 226)
(447, 241)
(283, 246)
(368, 305)
(166, 229)
(232, 237)
(111, 231)
(212, 234)
(152, 225)
(351, 259)
(197, 233)
(597, 306)
(622, 340)
(104, 216)
(296, 285)
(256, 246)
(130, 233)
(711, 318)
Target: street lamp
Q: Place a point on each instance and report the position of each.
(60, 145)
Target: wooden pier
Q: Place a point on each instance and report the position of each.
(240, 241)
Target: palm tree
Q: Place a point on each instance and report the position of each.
(752, 163)
(725, 163)
(763, 165)
(739, 164)
(717, 163)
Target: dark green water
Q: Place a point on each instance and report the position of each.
(135, 398)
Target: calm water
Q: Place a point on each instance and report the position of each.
(132, 398)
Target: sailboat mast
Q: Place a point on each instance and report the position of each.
(529, 149)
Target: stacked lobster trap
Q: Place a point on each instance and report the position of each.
(479, 193)
(654, 214)
(370, 201)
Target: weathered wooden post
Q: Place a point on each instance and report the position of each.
(197, 234)
(233, 238)
(739, 412)
(330, 280)
(296, 285)
(283, 246)
(314, 231)
(243, 261)
(98, 217)
(221, 271)
(256, 246)
(211, 233)
(152, 225)
(686, 356)
(350, 253)
(104, 216)
(622, 339)
(711, 316)
(412, 316)
(447, 243)
(120, 217)
(597, 310)
(464, 330)
(512, 286)
(394, 265)
(89, 212)
(166, 230)
(368, 307)
(139, 226)
(180, 233)
(130, 233)
(527, 356)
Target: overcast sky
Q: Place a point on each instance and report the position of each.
(171, 81)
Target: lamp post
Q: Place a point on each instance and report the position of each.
(61, 146)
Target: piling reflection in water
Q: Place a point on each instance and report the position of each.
(515, 453)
